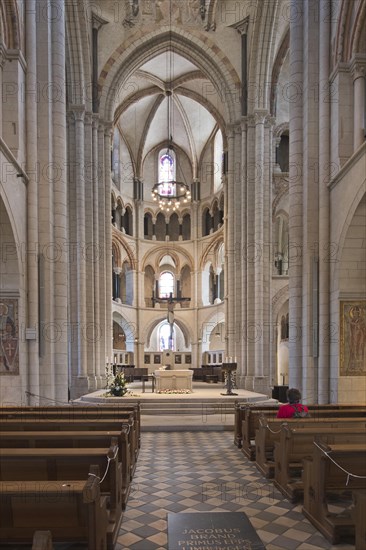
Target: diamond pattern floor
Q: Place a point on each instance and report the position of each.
(205, 471)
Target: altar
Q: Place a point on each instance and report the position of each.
(173, 380)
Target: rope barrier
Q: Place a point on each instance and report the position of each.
(272, 431)
(127, 426)
(349, 474)
(107, 468)
(45, 398)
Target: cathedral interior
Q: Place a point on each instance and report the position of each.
(182, 184)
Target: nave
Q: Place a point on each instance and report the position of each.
(203, 472)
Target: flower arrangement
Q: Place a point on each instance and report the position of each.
(174, 391)
(116, 384)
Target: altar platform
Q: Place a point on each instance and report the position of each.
(203, 409)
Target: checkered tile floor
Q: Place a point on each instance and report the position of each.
(204, 472)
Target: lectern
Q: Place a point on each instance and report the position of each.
(228, 369)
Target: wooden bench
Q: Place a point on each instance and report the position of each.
(73, 510)
(73, 412)
(359, 515)
(295, 444)
(325, 475)
(269, 431)
(251, 423)
(271, 410)
(75, 439)
(52, 424)
(42, 540)
(71, 464)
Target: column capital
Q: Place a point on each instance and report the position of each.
(98, 21)
(77, 112)
(241, 26)
(108, 129)
(88, 118)
(358, 67)
(260, 116)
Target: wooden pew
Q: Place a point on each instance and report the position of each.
(31, 424)
(76, 439)
(72, 464)
(42, 540)
(269, 431)
(251, 423)
(359, 515)
(295, 444)
(242, 410)
(325, 475)
(73, 510)
(77, 413)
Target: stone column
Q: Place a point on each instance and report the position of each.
(249, 255)
(324, 199)
(32, 194)
(96, 251)
(242, 352)
(60, 289)
(117, 284)
(267, 254)
(358, 68)
(88, 253)
(31, 24)
(260, 118)
(296, 194)
(102, 321)
(230, 256)
(108, 235)
(78, 256)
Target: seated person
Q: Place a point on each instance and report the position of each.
(293, 409)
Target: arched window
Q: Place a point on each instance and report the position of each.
(164, 338)
(218, 155)
(166, 284)
(167, 172)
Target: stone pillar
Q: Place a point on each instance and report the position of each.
(242, 352)
(260, 118)
(32, 194)
(78, 256)
(96, 251)
(108, 236)
(296, 194)
(31, 24)
(88, 253)
(218, 289)
(102, 321)
(324, 199)
(60, 288)
(249, 254)
(358, 68)
(117, 283)
(229, 239)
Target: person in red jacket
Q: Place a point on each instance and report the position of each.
(293, 409)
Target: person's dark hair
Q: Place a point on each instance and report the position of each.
(293, 395)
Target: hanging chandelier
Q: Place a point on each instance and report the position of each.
(169, 193)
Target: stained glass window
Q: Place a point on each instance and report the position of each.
(166, 284)
(167, 169)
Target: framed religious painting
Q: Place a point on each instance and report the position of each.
(188, 358)
(147, 359)
(157, 360)
(9, 336)
(352, 342)
(178, 359)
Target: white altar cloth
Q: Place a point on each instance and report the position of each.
(173, 380)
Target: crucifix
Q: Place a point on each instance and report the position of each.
(170, 301)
